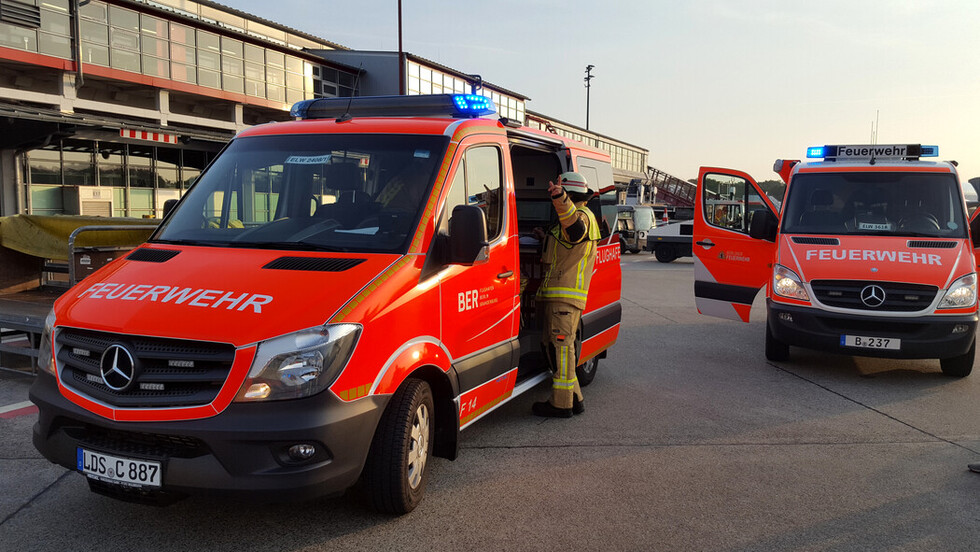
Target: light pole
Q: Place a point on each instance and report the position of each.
(588, 87)
(402, 88)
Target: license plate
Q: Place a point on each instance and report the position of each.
(116, 469)
(866, 342)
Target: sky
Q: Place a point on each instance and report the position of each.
(735, 84)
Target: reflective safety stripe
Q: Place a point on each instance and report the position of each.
(568, 293)
(567, 214)
(561, 379)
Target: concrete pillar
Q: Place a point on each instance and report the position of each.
(163, 105)
(8, 183)
(239, 116)
(68, 92)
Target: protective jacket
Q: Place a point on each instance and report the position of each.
(569, 262)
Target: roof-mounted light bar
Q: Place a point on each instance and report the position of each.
(432, 105)
(909, 152)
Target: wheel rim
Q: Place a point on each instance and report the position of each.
(418, 446)
(590, 366)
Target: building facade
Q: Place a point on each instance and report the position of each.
(162, 85)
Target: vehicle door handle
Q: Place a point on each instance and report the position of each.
(505, 275)
(707, 244)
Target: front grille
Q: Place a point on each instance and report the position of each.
(898, 297)
(150, 445)
(168, 372)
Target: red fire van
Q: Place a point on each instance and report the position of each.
(869, 252)
(334, 299)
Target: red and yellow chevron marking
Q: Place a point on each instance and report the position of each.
(369, 289)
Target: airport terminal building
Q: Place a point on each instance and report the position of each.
(163, 84)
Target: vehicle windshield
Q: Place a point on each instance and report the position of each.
(335, 192)
(914, 204)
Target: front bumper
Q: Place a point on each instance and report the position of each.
(922, 336)
(241, 451)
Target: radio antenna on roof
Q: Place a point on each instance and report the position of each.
(357, 78)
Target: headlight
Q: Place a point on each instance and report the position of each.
(299, 364)
(44, 361)
(786, 283)
(962, 294)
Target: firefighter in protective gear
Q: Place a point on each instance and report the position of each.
(569, 253)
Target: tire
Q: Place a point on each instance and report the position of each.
(396, 471)
(622, 246)
(959, 366)
(635, 251)
(776, 350)
(586, 372)
(665, 253)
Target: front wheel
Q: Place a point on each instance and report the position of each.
(959, 366)
(776, 350)
(665, 253)
(395, 474)
(586, 372)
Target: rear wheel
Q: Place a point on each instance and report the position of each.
(959, 366)
(396, 471)
(776, 350)
(586, 372)
(665, 253)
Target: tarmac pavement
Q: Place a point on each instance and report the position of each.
(691, 441)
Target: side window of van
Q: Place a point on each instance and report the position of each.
(478, 181)
(729, 202)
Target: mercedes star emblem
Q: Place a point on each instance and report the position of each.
(118, 367)
(873, 296)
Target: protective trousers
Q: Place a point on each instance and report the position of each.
(558, 338)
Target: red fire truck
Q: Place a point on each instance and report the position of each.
(334, 300)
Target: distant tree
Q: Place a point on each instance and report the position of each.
(774, 188)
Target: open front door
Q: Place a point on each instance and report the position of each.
(729, 266)
(975, 235)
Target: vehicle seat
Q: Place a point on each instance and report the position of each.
(820, 215)
(353, 203)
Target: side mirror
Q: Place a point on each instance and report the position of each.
(169, 206)
(763, 225)
(468, 236)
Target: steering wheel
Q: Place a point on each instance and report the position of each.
(920, 222)
(314, 229)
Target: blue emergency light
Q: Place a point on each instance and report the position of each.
(905, 152)
(815, 152)
(428, 105)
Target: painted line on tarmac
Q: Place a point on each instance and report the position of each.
(17, 409)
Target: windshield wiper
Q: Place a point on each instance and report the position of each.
(185, 242)
(289, 245)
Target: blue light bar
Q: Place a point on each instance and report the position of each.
(300, 108)
(815, 152)
(473, 105)
(424, 105)
(900, 152)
